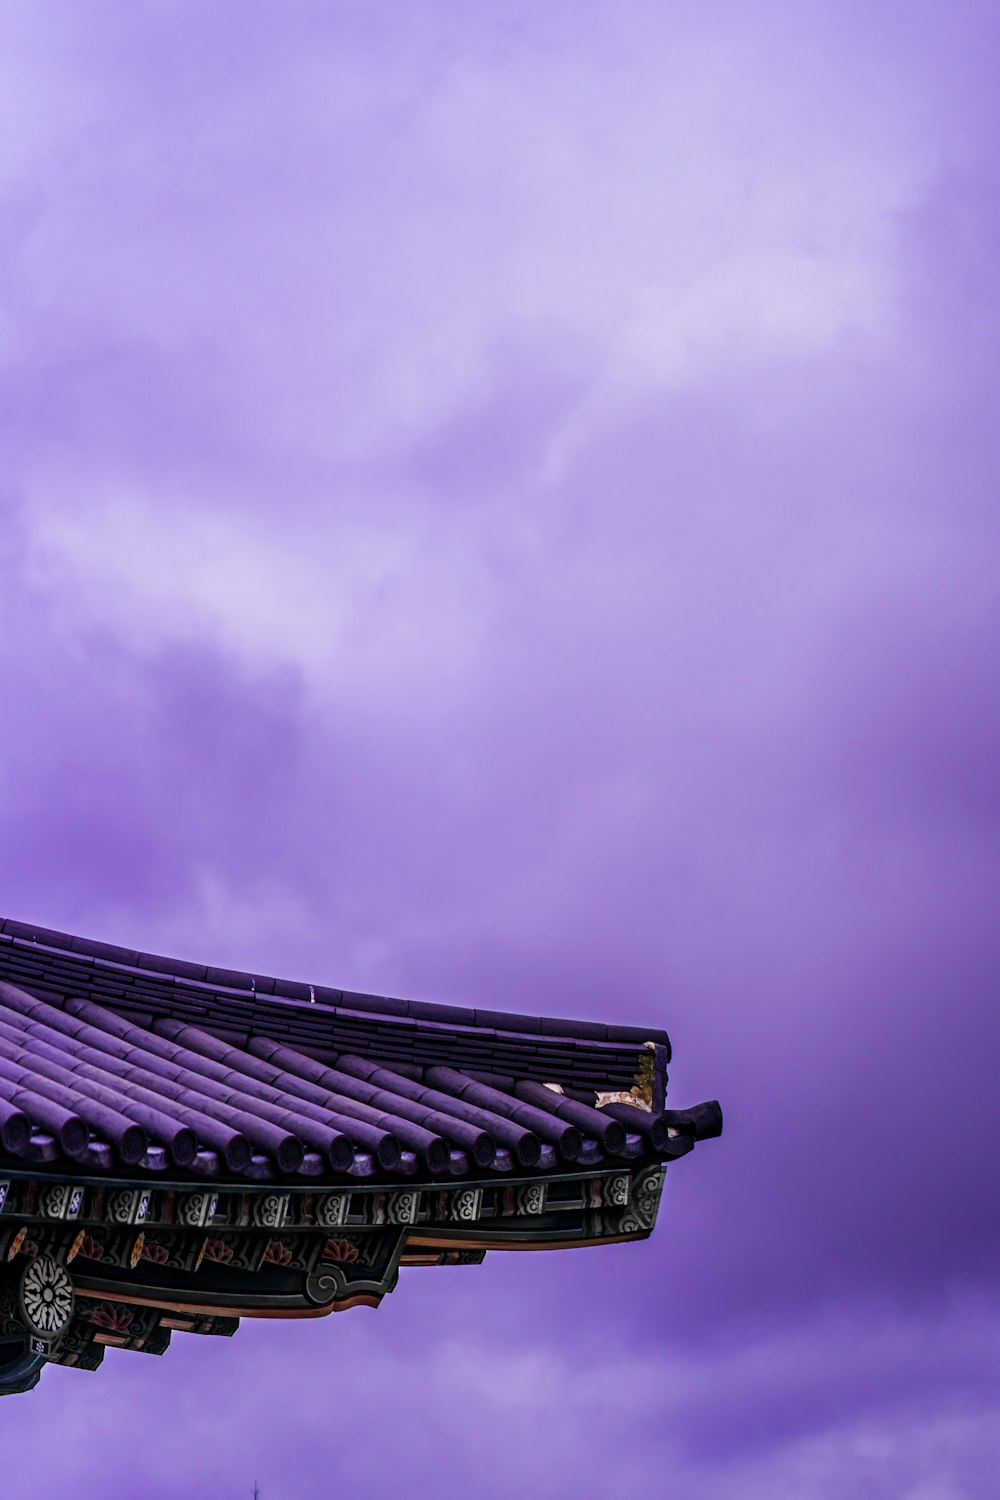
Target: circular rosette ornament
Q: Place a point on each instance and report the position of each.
(46, 1297)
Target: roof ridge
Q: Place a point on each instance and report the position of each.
(264, 987)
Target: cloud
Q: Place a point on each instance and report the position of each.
(354, 610)
(706, 222)
(502, 509)
(501, 1411)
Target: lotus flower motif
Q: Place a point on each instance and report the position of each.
(218, 1250)
(278, 1254)
(116, 1317)
(158, 1254)
(341, 1251)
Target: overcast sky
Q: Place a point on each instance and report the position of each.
(500, 505)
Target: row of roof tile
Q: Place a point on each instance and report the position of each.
(100, 1088)
(464, 1040)
(152, 965)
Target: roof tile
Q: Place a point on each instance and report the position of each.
(85, 991)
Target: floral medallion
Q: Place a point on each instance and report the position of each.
(46, 1297)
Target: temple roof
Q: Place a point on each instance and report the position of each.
(183, 1146)
(111, 1058)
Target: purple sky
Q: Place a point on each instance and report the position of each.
(500, 505)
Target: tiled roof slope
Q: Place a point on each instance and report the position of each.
(582, 1054)
(116, 1059)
